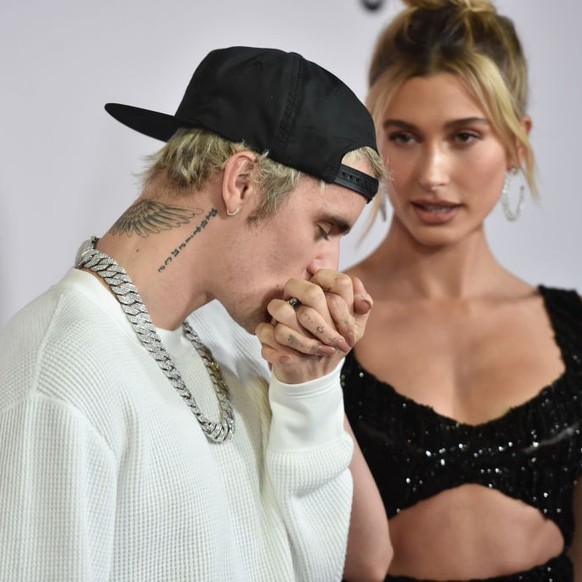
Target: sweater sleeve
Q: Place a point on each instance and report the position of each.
(308, 458)
(57, 494)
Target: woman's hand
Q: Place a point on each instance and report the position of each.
(314, 326)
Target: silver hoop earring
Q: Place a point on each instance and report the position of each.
(234, 212)
(510, 213)
(383, 206)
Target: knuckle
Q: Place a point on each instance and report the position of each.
(334, 300)
(312, 321)
(284, 336)
(343, 282)
(313, 294)
(260, 331)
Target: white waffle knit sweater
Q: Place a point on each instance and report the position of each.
(105, 473)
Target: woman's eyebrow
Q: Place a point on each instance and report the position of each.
(401, 124)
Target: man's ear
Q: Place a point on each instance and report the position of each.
(237, 182)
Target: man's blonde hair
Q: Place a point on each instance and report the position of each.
(193, 156)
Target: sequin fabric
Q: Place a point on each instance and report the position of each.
(558, 569)
(532, 453)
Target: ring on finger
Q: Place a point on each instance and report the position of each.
(294, 302)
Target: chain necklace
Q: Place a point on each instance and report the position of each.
(118, 280)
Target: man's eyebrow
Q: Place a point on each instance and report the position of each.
(401, 124)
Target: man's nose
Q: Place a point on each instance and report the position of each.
(327, 257)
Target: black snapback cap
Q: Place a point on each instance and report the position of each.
(276, 102)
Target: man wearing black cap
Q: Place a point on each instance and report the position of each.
(127, 452)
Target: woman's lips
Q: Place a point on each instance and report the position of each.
(435, 212)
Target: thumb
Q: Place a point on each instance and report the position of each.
(363, 301)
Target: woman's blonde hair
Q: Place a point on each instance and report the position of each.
(467, 38)
(192, 156)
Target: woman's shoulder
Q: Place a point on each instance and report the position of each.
(568, 295)
(564, 305)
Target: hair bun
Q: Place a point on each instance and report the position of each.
(462, 5)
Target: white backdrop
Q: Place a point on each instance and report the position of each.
(67, 168)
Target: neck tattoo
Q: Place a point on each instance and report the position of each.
(118, 281)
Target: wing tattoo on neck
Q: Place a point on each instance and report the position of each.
(148, 216)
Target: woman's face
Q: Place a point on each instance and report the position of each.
(447, 164)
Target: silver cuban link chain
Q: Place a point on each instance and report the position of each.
(118, 280)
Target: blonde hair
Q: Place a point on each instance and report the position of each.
(467, 38)
(192, 156)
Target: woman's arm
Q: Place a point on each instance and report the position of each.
(575, 551)
(369, 547)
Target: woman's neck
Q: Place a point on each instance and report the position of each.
(464, 269)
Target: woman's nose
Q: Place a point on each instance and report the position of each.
(433, 172)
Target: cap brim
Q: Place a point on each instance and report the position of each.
(151, 123)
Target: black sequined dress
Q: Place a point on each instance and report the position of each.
(532, 453)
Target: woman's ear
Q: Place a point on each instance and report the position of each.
(527, 124)
(237, 182)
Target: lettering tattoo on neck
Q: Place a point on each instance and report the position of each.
(182, 246)
(151, 217)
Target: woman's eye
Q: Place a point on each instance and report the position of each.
(400, 137)
(464, 137)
